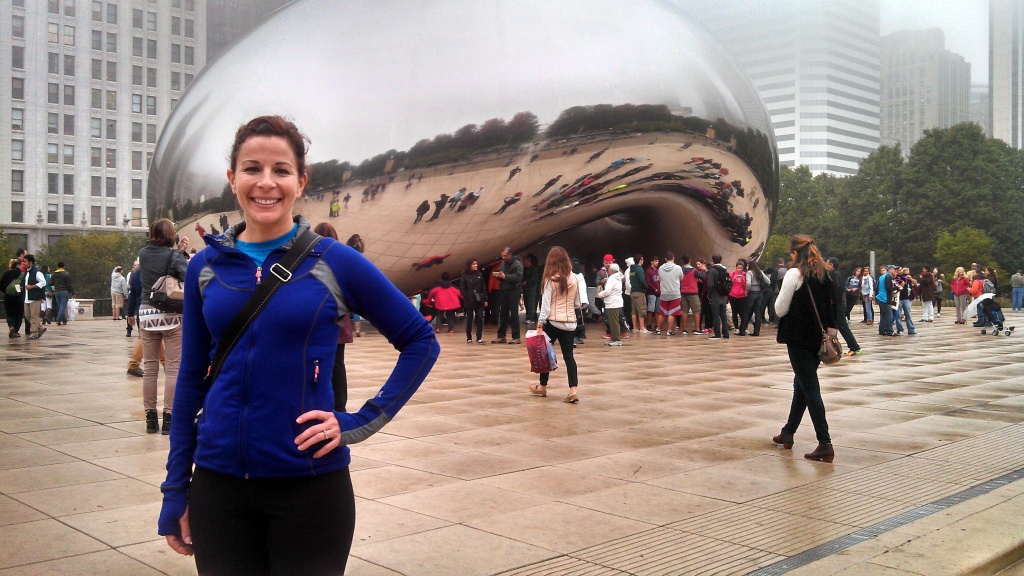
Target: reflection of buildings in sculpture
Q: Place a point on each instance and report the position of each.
(645, 193)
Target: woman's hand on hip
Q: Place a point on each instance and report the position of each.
(182, 544)
(328, 429)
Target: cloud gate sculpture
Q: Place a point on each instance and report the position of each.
(444, 130)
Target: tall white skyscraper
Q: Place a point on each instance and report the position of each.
(816, 66)
(90, 85)
(923, 86)
(1006, 70)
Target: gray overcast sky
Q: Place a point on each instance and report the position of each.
(964, 22)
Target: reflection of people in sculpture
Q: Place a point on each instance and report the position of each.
(470, 199)
(438, 206)
(420, 210)
(513, 172)
(510, 200)
(430, 261)
(548, 184)
(455, 199)
(595, 155)
(346, 199)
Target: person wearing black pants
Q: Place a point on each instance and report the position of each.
(806, 306)
(510, 292)
(564, 339)
(842, 314)
(474, 298)
(234, 519)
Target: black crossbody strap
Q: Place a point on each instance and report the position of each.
(815, 306)
(280, 273)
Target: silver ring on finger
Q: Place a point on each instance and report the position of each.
(326, 437)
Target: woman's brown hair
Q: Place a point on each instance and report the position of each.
(326, 230)
(162, 232)
(807, 259)
(557, 269)
(272, 126)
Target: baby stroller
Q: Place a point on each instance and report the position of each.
(991, 313)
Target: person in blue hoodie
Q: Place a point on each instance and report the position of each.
(270, 492)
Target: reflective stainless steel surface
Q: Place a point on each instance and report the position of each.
(630, 129)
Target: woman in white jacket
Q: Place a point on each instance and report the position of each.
(611, 293)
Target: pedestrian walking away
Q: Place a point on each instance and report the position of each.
(807, 295)
(560, 298)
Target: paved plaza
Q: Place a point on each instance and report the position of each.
(664, 467)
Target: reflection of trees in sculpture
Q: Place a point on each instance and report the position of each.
(466, 141)
(601, 117)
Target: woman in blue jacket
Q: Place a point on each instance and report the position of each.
(271, 492)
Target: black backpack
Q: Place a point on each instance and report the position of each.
(723, 282)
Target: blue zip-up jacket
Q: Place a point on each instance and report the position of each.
(281, 366)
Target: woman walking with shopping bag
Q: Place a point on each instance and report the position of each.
(560, 297)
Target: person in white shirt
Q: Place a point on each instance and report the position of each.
(612, 296)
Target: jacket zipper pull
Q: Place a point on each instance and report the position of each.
(259, 275)
(316, 371)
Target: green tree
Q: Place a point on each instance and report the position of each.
(957, 176)
(801, 201)
(90, 258)
(776, 247)
(962, 247)
(7, 249)
(864, 208)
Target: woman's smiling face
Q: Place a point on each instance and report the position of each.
(266, 183)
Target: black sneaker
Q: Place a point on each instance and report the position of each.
(166, 428)
(152, 426)
(136, 372)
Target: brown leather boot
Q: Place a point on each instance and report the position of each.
(823, 453)
(785, 439)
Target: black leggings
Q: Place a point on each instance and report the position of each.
(271, 525)
(564, 339)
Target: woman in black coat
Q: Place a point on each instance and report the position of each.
(799, 331)
(474, 298)
(14, 306)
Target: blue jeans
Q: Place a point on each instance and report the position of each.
(869, 310)
(884, 318)
(1018, 299)
(905, 310)
(60, 298)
